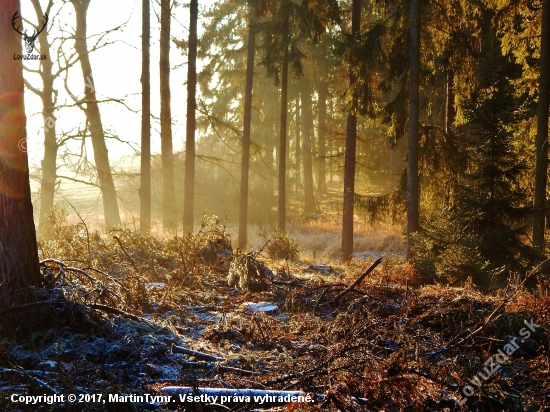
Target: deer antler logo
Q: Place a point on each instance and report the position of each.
(29, 40)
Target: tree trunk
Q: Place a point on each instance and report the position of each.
(145, 189)
(307, 126)
(450, 112)
(271, 145)
(189, 190)
(167, 155)
(541, 143)
(349, 159)
(322, 139)
(297, 151)
(93, 117)
(412, 158)
(49, 162)
(283, 120)
(18, 250)
(243, 207)
(450, 115)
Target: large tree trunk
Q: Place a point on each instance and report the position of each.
(18, 250)
(541, 143)
(307, 126)
(145, 189)
(189, 190)
(245, 162)
(349, 160)
(413, 200)
(49, 162)
(167, 155)
(93, 117)
(322, 139)
(283, 120)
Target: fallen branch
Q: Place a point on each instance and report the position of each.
(4, 358)
(126, 253)
(26, 306)
(115, 311)
(82, 272)
(210, 365)
(30, 379)
(354, 284)
(452, 345)
(200, 355)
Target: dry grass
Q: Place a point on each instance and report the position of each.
(388, 341)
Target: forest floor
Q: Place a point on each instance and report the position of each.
(137, 323)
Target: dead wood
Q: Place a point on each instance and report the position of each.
(115, 311)
(492, 316)
(26, 306)
(5, 359)
(210, 365)
(355, 283)
(30, 379)
(126, 254)
(200, 355)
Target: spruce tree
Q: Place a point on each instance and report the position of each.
(484, 232)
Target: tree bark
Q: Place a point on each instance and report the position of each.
(307, 126)
(245, 162)
(271, 148)
(450, 116)
(412, 158)
(189, 190)
(49, 162)
(93, 117)
(145, 189)
(298, 150)
(18, 250)
(283, 119)
(349, 159)
(541, 143)
(322, 139)
(167, 154)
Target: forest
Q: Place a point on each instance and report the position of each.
(304, 205)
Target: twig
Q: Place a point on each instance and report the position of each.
(4, 358)
(357, 282)
(200, 355)
(115, 311)
(30, 378)
(85, 225)
(26, 306)
(488, 319)
(126, 253)
(210, 365)
(432, 378)
(82, 272)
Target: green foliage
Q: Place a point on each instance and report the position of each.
(282, 246)
(449, 251)
(378, 208)
(483, 232)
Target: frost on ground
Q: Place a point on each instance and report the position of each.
(134, 315)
